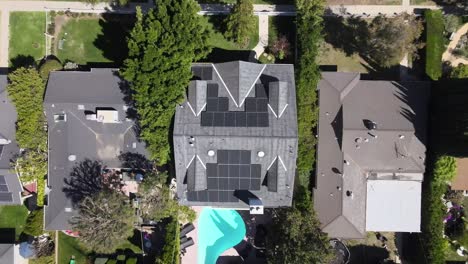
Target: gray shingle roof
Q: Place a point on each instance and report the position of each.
(8, 146)
(349, 153)
(278, 141)
(79, 95)
(7, 253)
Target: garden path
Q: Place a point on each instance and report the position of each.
(262, 35)
(448, 56)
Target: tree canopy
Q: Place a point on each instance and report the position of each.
(48, 66)
(156, 202)
(241, 22)
(26, 90)
(297, 236)
(309, 35)
(104, 221)
(392, 37)
(460, 72)
(162, 45)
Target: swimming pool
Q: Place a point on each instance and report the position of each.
(218, 230)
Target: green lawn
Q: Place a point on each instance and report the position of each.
(13, 216)
(331, 56)
(27, 40)
(69, 246)
(217, 40)
(434, 43)
(94, 40)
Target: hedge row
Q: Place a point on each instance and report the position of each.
(435, 245)
(434, 43)
(171, 250)
(309, 34)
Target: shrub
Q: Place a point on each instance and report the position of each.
(131, 261)
(34, 223)
(434, 43)
(112, 261)
(48, 66)
(309, 34)
(432, 226)
(171, 248)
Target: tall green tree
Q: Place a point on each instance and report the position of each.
(393, 37)
(162, 46)
(297, 237)
(309, 24)
(26, 90)
(104, 221)
(241, 22)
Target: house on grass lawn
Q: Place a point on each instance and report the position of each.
(235, 137)
(371, 155)
(10, 185)
(87, 120)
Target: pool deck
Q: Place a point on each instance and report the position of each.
(191, 256)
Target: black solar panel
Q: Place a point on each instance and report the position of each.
(223, 104)
(251, 119)
(218, 119)
(2, 179)
(262, 119)
(230, 119)
(6, 197)
(207, 73)
(262, 105)
(250, 104)
(1, 150)
(212, 104)
(244, 157)
(241, 119)
(233, 171)
(3, 188)
(260, 91)
(197, 72)
(212, 90)
(206, 119)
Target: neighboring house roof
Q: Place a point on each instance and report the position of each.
(7, 253)
(460, 182)
(87, 119)
(235, 137)
(10, 185)
(368, 131)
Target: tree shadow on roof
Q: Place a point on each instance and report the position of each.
(85, 180)
(135, 161)
(415, 96)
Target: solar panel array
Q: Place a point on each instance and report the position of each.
(233, 171)
(5, 195)
(217, 112)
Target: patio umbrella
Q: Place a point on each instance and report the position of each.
(26, 250)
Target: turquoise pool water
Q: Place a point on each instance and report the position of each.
(218, 230)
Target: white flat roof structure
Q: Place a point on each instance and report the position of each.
(393, 206)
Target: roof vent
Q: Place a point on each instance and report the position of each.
(72, 158)
(369, 124)
(211, 153)
(107, 116)
(346, 162)
(261, 154)
(349, 194)
(80, 107)
(358, 140)
(68, 209)
(401, 136)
